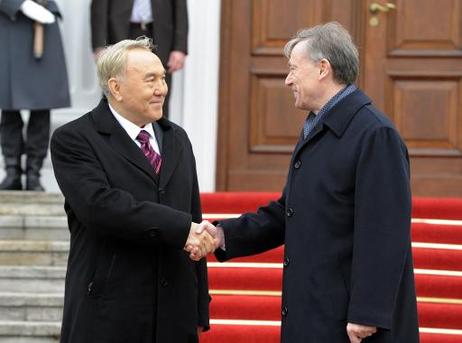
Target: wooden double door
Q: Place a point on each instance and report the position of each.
(411, 66)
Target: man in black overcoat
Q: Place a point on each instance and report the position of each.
(165, 21)
(132, 200)
(344, 215)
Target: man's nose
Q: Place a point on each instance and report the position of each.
(288, 80)
(161, 89)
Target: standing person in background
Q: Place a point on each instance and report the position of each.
(164, 21)
(32, 79)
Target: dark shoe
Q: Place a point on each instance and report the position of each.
(12, 180)
(33, 175)
(33, 183)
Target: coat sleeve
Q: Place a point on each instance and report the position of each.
(381, 238)
(109, 211)
(254, 233)
(180, 37)
(10, 7)
(201, 266)
(99, 11)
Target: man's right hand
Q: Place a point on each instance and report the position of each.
(37, 12)
(199, 243)
(215, 231)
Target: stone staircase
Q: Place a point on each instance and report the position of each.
(34, 243)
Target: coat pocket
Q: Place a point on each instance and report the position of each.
(102, 275)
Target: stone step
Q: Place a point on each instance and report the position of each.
(36, 279)
(28, 197)
(29, 332)
(34, 227)
(31, 203)
(33, 253)
(31, 307)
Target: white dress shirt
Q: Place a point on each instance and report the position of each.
(141, 12)
(133, 130)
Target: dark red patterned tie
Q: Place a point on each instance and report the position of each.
(152, 156)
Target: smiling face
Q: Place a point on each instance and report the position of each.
(304, 79)
(139, 93)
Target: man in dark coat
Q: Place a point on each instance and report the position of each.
(344, 214)
(165, 21)
(132, 200)
(29, 83)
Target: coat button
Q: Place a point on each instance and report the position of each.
(286, 262)
(284, 311)
(163, 282)
(298, 164)
(161, 191)
(290, 212)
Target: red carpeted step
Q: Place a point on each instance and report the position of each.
(441, 259)
(439, 286)
(220, 333)
(256, 307)
(240, 202)
(440, 233)
(249, 307)
(270, 279)
(440, 208)
(446, 316)
(424, 258)
(264, 279)
(430, 233)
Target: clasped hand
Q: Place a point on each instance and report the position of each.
(203, 239)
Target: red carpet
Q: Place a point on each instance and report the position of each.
(246, 291)
(447, 316)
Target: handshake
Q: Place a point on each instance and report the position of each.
(203, 239)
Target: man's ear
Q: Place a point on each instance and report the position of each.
(114, 88)
(325, 68)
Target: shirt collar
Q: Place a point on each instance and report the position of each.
(345, 91)
(131, 128)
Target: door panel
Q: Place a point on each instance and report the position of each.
(414, 74)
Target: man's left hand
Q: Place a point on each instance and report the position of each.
(357, 332)
(176, 61)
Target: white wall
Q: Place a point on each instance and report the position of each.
(194, 95)
(201, 82)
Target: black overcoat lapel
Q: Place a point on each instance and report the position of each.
(120, 141)
(171, 151)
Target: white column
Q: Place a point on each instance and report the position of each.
(200, 88)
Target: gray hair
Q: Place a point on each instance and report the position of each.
(112, 61)
(332, 42)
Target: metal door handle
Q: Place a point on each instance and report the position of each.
(375, 8)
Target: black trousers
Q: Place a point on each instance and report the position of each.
(35, 145)
(136, 31)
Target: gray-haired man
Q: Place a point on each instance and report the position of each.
(132, 199)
